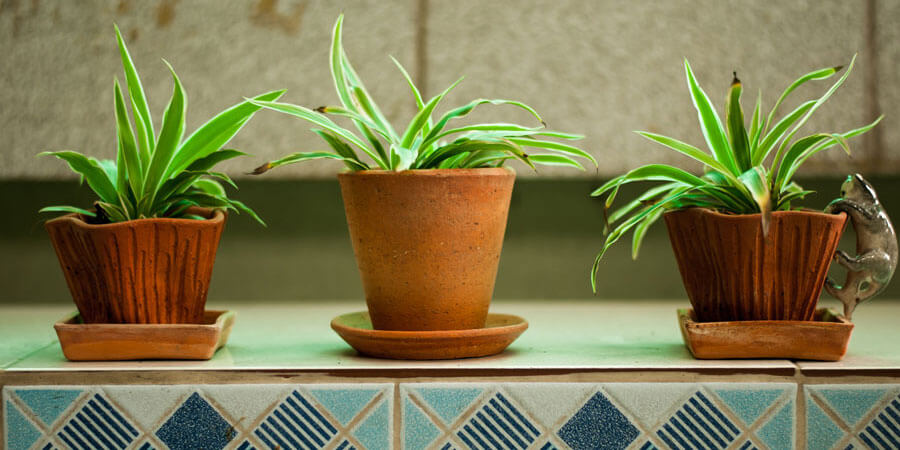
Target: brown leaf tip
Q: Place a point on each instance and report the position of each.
(261, 169)
(735, 80)
(321, 109)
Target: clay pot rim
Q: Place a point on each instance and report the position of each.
(842, 216)
(215, 217)
(437, 173)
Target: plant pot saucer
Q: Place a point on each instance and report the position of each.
(823, 339)
(125, 342)
(499, 331)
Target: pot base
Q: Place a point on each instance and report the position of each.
(126, 342)
(499, 331)
(823, 339)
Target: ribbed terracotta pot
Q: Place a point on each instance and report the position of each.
(140, 271)
(427, 243)
(732, 272)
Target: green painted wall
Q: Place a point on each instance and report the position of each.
(305, 253)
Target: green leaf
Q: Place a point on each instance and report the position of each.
(689, 151)
(322, 121)
(737, 134)
(755, 126)
(418, 122)
(641, 230)
(778, 131)
(755, 180)
(554, 160)
(485, 158)
(213, 159)
(245, 209)
(651, 172)
(211, 187)
(816, 106)
(794, 162)
(462, 111)
(366, 123)
(140, 108)
(68, 209)
(91, 171)
(712, 128)
(297, 157)
(129, 153)
(113, 212)
(341, 148)
(169, 138)
(630, 223)
(820, 74)
(563, 148)
(216, 132)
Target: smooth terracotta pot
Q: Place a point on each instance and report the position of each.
(732, 272)
(140, 271)
(427, 243)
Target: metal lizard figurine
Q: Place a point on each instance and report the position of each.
(869, 272)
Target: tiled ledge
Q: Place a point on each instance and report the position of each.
(562, 336)
(585, 375)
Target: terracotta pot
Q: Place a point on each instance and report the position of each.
(731, 272)
(140, 271)
(427, 243)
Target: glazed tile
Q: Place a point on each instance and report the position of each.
(346, 416)
(26, 329)
(561, 335)
(861, 416)
(872, 343)
(600, 415)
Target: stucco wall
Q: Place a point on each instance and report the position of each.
(602, 68)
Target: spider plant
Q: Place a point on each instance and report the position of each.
(160, 175)
(424, 143)
(737, 178)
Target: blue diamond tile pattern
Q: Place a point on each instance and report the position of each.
(196, 424)
(48, 404)
(20, 433)
(346, 445)
(498, 424)
(295, 423)
(883, 431)
(698, 424)
(98, 424)
(598, 424)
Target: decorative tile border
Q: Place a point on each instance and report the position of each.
(853, 416)
(590, 416)
(333, 416)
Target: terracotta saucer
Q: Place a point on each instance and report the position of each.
(499, 331)
(823, 339)
(125, 342)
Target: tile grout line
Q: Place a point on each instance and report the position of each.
(421, 45)
(396, 413)
(872, 109)
(800, 415)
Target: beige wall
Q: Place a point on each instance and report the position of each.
(602, 68)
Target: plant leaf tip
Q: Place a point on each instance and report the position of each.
(261, 169)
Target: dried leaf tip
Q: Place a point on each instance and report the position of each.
(321, 109)
(735, 81)
(261, 169)
(838, 68)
